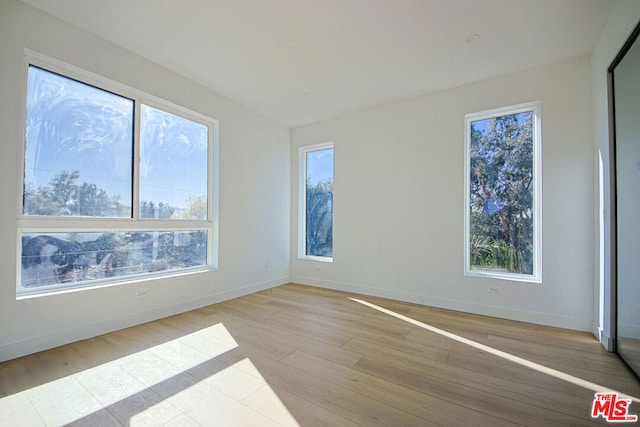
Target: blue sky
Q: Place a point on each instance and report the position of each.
(482, 125)
(174, 156)
(74, 126)
(320, 165)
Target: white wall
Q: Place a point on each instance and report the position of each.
(398, 194)
(254, 194)
(398, 198)
(621, 23)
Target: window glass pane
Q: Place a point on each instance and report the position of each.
(319, 203)
(173, 166)
(501, 225)
(79, 144)
(69, 259)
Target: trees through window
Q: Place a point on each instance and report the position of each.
(502, 193)
(316, 202)
(85, 158)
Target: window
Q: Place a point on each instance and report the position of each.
(116, 185)
(173, 166)
(316, 203)
(502, 193)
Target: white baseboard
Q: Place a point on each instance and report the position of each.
(601, 335)
(451, 304)
(44, 342)
(32, 345)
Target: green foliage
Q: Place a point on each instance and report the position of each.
(319, 219)
(150, 210)
(40, 202)
(182, 249)
(119, 254)
(111, 254)
(196, 209)
(501, 217)
(488, 253)
(64, 197)
(64, 190)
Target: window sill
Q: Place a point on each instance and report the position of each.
(316, 258)
(109, 283)
(504, 276)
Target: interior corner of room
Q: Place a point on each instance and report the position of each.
(399, 164)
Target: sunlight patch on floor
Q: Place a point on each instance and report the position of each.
(177, 381)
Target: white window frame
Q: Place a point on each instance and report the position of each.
(45, 224)
(302, 200)
(534, 108)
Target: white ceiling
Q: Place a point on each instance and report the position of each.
(303, 61)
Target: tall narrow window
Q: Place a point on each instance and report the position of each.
(141, 197)
(316, 202)
(502, 195)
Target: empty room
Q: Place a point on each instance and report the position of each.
(174, 174)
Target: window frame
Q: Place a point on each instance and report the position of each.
(62, 224)
(302, 200)
(534, 108)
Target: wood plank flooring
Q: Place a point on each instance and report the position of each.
(299, 355)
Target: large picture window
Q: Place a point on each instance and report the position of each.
(502, 194)
(116, 185)
(316, 202)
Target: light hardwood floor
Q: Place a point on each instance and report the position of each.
(299, 355)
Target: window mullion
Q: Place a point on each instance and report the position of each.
(135, 209)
